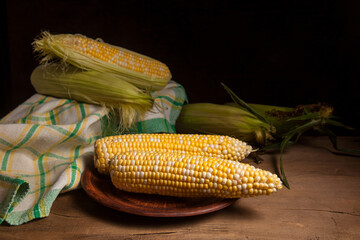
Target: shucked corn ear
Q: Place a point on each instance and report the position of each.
(93, 87)
(90, 54)
(184, 175)
(204, 145)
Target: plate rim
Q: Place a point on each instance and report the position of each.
(87, 180)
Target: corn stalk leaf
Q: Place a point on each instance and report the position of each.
(305, 127)
(283, 144)
(243, 104)
(333, 139)
(298, 131)
(337, 124)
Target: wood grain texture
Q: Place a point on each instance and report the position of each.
(323, 203)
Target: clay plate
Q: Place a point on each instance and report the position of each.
(100, 188)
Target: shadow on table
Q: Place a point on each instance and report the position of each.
(91, 207)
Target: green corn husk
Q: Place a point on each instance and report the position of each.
(222, 119)
(66, 49)
(94, 88)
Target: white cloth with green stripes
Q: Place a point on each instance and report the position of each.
(46, 143)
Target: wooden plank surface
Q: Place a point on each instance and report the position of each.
(323, 203)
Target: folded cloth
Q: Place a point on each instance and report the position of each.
(46, 143)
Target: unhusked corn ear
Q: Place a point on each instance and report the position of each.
(223, 119)
(205, 145)
(183, 175)
(90, 54)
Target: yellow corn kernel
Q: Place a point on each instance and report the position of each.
(166, 143)
(186, 184)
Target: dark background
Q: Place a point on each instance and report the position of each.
(271, 52)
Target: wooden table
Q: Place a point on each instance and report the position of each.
(323, 203)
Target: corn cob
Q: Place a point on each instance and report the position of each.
(184, 175)
(90, 54)
(205, 145)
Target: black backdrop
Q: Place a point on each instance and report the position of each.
(270, 52)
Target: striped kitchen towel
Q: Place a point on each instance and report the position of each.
(46, 143)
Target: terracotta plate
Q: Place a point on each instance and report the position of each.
(100, 188)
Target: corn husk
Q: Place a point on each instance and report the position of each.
(93, 87)
(222, 119)
(62, 47)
